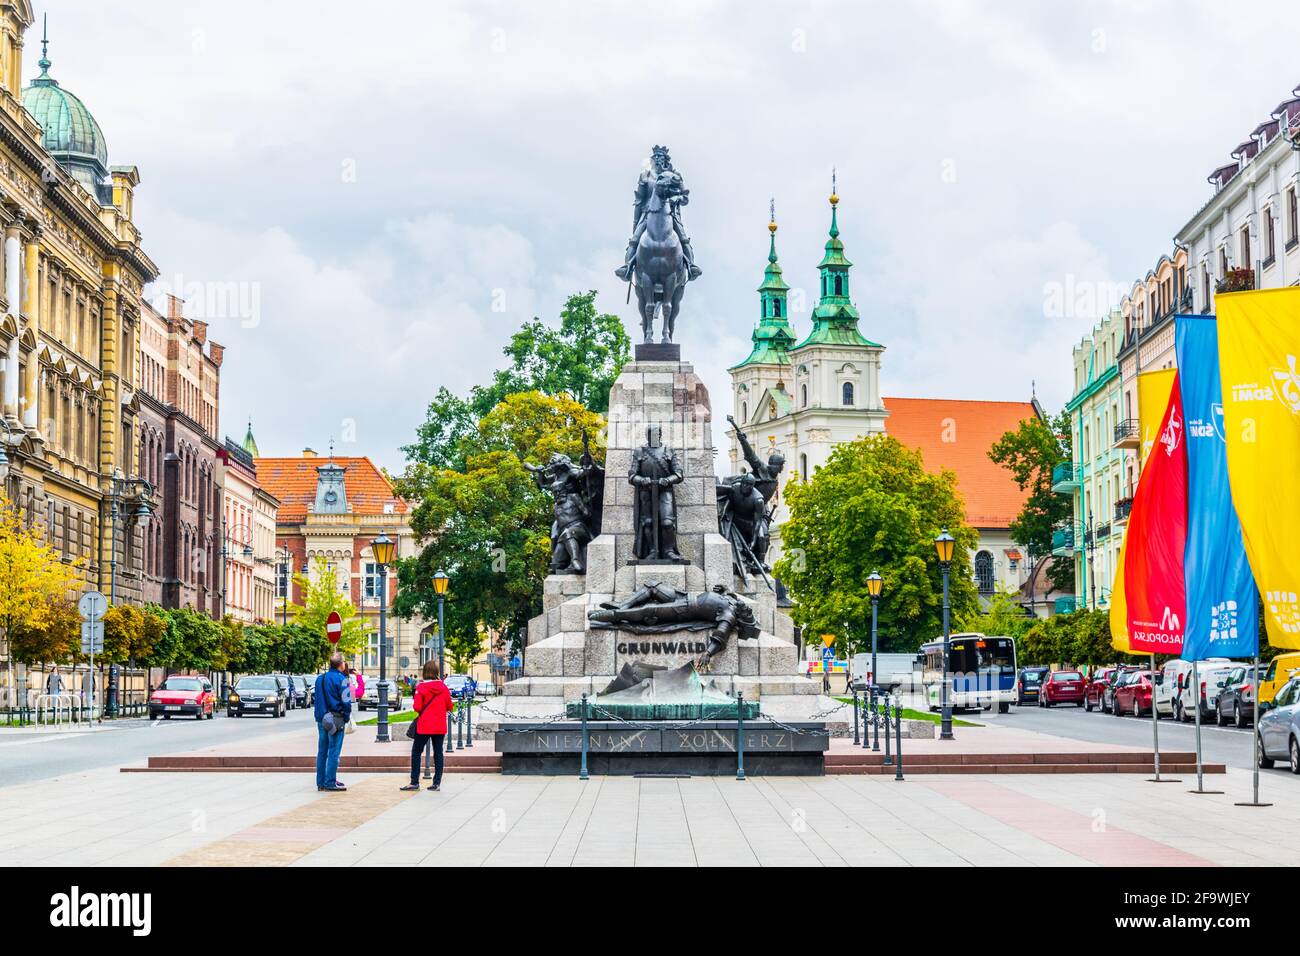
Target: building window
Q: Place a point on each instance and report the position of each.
(803, 396)
(984, 572)
(1246, 259)
(839, 285)
(847, 394)
(744, 411)
(776, 308)
(282, 579)
(371, 580)
(1292, 217)
(372, 650)
(1270, 243)
(1205, 288)
(803, 467)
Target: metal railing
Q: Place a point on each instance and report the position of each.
(1126, 430)
(61, 711)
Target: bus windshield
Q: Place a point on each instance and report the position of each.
(990, 653)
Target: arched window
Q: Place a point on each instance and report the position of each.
(776, 308)
(984, 572)
(803, 467)
(803, 396)
(839, 285)
(847, 393)
(744, 411)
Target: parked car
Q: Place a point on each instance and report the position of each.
(1029, 684)
(1108, 692)
(180, 695)
(1236, 700)
(1178, 677)
(299, 691)
(456, 683)
(1280, 670)
(261, 694)
(1062, 687)
(290, 691)
(1278, 727)
(1092, 693)
(486, 689)
(1133, 694)
(370, 699)
(309, 681)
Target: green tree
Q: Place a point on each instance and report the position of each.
(35, 585)
(1004, 617)
(164, 639)
(874, 507)
(55, 638)
(1030, 452)
(199, 641)
(321, 596)
(1090, 638)
(487, 525)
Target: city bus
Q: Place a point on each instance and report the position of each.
(981, 671)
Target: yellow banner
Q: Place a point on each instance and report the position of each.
(1259, 351)
(1153, 399)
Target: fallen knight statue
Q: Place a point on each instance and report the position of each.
(657, 608)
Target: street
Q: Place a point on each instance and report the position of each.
(26, 757)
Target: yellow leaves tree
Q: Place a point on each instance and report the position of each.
(321, 595)
(36, 587)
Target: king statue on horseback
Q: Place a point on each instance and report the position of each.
(659, 260)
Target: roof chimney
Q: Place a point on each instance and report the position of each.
(174, 306)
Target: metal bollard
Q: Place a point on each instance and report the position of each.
(451, 737)
(884, 709)
(875, 743)
(855, 714)
(898, 738)
(428, 753)
(582, 768)
(867, 718)
(469, 723)
(460, 725)
(740, 735)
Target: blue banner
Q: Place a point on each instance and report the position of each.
(1222, 603)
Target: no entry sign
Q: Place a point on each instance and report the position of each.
(334, 627)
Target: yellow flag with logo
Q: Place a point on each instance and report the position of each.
(1259, 351)
(1153, 398)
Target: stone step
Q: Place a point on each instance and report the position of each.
(1132, 758)
(457, 762)
(910, 768)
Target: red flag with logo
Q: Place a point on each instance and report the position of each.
(1154, 588)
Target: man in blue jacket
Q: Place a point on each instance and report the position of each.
(333, 708)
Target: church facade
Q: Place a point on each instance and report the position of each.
(801, 397)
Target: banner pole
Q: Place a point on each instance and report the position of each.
(1155, 729)
(1196, 697)
(1254, 741)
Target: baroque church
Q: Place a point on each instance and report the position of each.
(802, 397)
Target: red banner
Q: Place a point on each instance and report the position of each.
(1154, 587)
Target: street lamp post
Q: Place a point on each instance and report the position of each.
(120, 487)
(286, 558)
(875, 584)
(440, 582)
(225, 554)
(944, 545)
(384, 549)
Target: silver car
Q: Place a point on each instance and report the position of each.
(1279, 727)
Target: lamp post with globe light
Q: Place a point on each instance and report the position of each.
(384, 550)
(944, 546)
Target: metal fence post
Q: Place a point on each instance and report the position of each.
(855, 714)
(428, 752)
(451, 737)
(740, 735)
(884, 710)
(469, 722)
(582, 767)
(898, 738)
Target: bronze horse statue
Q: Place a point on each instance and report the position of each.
(661, 275)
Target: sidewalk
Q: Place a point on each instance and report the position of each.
(107, 817)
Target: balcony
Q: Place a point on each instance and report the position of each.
(1236, 280)
(1127, 434)
(1063, 542)
(1122, 509)
(1065, 477)
(1065, 605)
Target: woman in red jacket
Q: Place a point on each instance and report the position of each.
(432, 703)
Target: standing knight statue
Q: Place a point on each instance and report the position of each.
(655, 469)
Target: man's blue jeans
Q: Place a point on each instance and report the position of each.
(328, 747)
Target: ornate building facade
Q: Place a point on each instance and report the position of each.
(802, 397)
(74, 270)
(332, 508)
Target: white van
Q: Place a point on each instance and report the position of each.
(1177, 686)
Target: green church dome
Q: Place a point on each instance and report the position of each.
(71, 134)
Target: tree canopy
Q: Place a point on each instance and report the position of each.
(874, 507)
(36, 587)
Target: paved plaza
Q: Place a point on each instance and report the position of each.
(103, 817)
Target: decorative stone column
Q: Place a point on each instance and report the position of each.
(13, 295)
(31, 307)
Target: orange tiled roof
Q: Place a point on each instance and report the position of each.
(957, 434)
(293, 481)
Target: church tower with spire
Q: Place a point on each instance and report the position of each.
(803, 399)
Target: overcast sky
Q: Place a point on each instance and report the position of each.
(390, 188)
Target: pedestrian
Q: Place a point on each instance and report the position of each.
(333, 711)
(54, 683)
(358, 684)
(432, 703)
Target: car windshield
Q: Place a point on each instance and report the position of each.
(1032, 677)
(256, 683)
(1065, 675)
(181, 683)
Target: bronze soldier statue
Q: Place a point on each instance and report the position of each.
(577, 490)
(743, 521)
(766, 475)
(655, 469)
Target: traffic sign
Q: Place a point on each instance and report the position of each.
(403, 662)
(92, 605)
(828, 654)
(334, 627)
(828, 639)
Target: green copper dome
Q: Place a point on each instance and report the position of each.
(71, 134)
(835, 320)
(773, 336)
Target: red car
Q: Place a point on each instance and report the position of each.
(1133, 694)
(179, 694)
(1062, 687)
(1095, 693)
